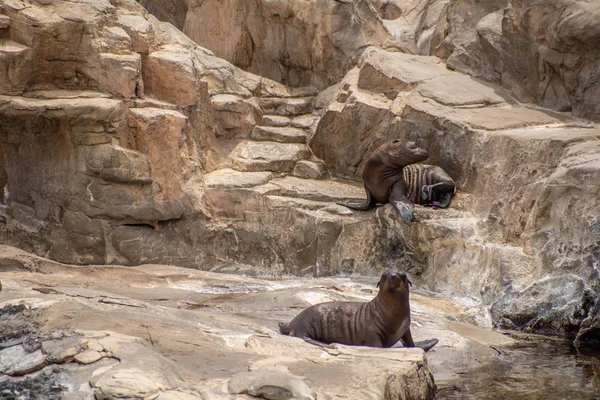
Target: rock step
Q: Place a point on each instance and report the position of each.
(285, 134)
(286, 106)
(270, 88)
(309, 189)
(310, 169)
(306, 121)
(230, 178)
(4, 21)
(8, 46)
(267, 156)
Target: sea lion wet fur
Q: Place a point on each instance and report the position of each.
(381, 322)
(383, 177)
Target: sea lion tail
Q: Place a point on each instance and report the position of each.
(284, 328)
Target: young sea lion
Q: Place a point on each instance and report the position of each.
(428, 185)
(380, 322)
(388, 180)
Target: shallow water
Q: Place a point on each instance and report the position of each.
(531, 370)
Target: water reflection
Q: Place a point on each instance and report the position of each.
(530, 371)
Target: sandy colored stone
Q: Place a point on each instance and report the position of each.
(231, 178)
(279, 134)
(4, 21)
(319, 190)
(270, 384)
(169, 76)
(267, 156)
(310, 169)
(252, 36)
(88, 357)
(237, 116)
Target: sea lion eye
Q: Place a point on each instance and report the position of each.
(396, 141)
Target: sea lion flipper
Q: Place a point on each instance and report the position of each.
(400, 202)
(370, 204)
(407, 340)
(427, 344)
(405, 209)
(426, 194)
(315, 342)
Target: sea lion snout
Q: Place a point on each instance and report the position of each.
(417, 151)
(402, 153)
(393, 279)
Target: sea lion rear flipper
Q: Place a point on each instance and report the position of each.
(315, 342)
(370, 204)
(400, 202)
(405, 209)
(284, 328)
(426, 344)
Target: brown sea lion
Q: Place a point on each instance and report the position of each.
(428, 185)
(387, 180)
(380, 322)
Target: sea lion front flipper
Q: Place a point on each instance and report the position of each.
(426, 344)
(370, 204)
(407, 340)
(400, 202)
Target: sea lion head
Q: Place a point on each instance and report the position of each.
(393, 280)
(402, 153)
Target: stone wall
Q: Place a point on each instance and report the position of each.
(298, 43)
(543, 51)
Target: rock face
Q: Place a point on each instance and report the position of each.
(125, 142)
(514, 162)
(544, 52)
(297, 42)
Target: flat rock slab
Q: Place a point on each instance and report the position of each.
(330, 191)
(460, 90)
(279, 134)
(383, 71)
(229, 178)
(492, 118)
(267, 156)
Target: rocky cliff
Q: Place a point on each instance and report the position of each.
(124, 141)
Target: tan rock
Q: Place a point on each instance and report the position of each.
(88, 357)
(120, 75)
(237, 116)
(251, 36)
(4, 21)
(267, 156)
(169, 76)
(270, 384)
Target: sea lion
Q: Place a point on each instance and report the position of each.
(380, 322)
(387, 180)
(428, 185)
